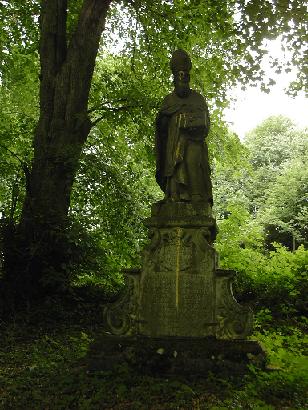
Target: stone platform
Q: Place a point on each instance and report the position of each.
(174, 355)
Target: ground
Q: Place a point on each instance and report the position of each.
(44, 365)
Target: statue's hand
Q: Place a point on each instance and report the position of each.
(196, 133)
(193, 120)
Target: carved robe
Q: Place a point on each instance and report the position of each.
(182, 167)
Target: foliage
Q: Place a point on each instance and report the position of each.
(226, 36)
(49, 367)
(276, 280)
(274, 142)
(19, 102)
(286, 204)
(18, 33)
(115, 182)
(273, 280)
(233, 29)
(277, 188)
(273, 145)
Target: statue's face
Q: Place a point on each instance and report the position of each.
(181, 83)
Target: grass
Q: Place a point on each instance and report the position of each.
(43, 365)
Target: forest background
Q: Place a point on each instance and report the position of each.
(58, 264)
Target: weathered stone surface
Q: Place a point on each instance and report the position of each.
(182, 125)
(183, 214)
(182, 305)
(234, 321)
(177, 289)
(180, 290)
(174, 355)
(122, 317)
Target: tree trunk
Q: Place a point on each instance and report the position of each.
(66, 74)
(293, 243)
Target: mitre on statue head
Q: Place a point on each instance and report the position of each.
(180, 61)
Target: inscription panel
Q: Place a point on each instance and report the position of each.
(196, 305)
(174, 305)
(158, 315)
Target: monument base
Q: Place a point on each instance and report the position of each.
(174, 355)
(180, 291)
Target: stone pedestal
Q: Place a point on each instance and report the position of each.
(167, 356)
(180, 291)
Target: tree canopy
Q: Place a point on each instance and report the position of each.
(55, 95)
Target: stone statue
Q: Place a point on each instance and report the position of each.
(180, 290)
(182, 124)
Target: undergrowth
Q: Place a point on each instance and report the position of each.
(44, 365)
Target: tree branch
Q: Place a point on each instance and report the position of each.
(82, 52)
(14, 155)
(114, 109)
(52, 42)
(23, 164)
(106, 104)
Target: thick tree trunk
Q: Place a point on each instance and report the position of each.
(66, 73)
